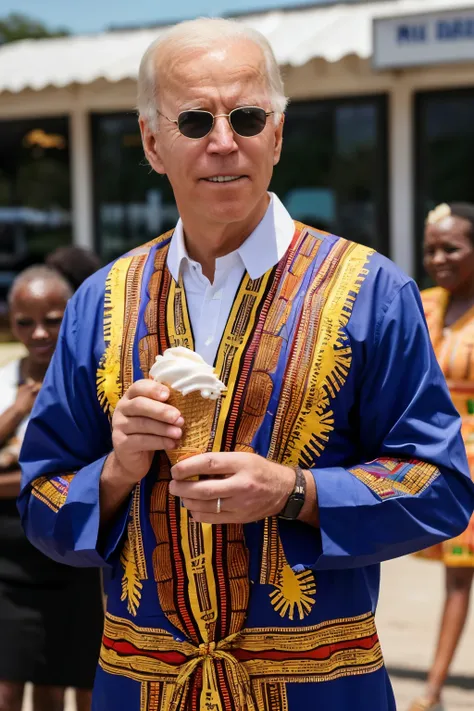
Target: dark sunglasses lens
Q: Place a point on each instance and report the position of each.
(248, 121)
(194, 124)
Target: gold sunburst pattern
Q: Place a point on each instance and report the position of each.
(109, 376)
(293, 592)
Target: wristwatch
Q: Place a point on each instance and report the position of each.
(296, 499)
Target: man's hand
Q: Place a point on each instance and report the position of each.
(142, 424)
(249, 486)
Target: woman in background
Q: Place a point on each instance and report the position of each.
(449, 310)
(50, 615)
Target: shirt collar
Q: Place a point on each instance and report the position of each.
(261, 250)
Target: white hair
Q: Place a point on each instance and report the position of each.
(204, 33)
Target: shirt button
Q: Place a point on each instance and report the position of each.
(209, 341)
(218, 295)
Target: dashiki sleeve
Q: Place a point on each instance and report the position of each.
(412, 488)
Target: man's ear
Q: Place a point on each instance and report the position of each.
(150, 146)
(278, 140)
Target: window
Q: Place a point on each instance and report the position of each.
(333, 169)
(444, 157)
(132, 203)
(35, 209)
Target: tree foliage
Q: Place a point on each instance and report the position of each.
(17, 27)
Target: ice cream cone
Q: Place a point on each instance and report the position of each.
(194, 391)
(198, 415)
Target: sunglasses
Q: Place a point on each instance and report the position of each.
(245, 121)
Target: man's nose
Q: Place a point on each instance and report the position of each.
(222, 137)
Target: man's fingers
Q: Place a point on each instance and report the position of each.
(203, 507)
(209, 464)
(148, 388)
(144, 442)
(141, 406)
(146, 425)
(205, 490)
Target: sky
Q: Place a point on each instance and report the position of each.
(81, 16)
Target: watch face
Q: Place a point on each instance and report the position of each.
(297, 497)
(293, 507)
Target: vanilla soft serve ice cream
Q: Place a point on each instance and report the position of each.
(185, 371)
(194, 391)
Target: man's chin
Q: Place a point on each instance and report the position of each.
(231, 209)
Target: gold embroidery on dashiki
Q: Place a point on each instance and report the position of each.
(258, 662)
(133, 553)
(155, 696)
(396, 477)
(246, 310)
(211, 587)
(270, 695)
(293, 592)
(132, 305)
(114, 377)
(109, 380)
(202, 571)
(52, 491)
(317, 368)
(304, 419)
(177, 316)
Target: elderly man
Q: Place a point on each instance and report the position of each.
(245, 578)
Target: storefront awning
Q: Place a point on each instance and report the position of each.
(330, 32)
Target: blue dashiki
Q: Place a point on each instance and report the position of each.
(328, 365)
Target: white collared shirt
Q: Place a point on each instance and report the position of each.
(209, 304)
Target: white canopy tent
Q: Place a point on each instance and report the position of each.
(328, 32)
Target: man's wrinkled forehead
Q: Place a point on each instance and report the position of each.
(235, 73)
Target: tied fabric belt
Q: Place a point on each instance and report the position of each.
(236, 671)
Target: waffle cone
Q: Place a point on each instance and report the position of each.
(198, 414)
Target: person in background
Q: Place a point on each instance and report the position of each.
(449, 310)
(74, 263)
(44, 606)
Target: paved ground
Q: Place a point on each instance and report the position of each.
(408, 614)
(407, 619)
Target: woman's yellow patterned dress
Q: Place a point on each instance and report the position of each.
(454, 348)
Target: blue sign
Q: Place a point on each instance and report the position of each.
(436, 38)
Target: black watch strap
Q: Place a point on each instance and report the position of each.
(296, 499)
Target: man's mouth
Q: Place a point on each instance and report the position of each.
(224, 178)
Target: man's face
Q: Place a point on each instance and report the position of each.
(218, 81)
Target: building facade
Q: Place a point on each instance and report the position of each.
(380, 128)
